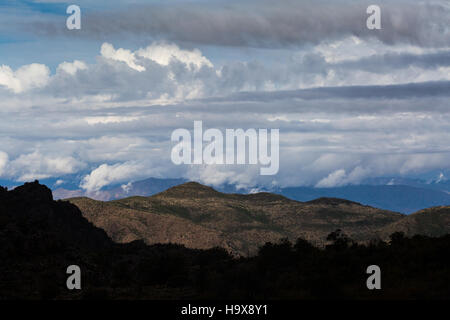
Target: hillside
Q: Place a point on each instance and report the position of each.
(125, 225)
(432, 222)
(40, 238)
(201, 217)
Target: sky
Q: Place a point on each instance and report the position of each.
(96, 106)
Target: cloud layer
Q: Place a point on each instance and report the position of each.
(350, 104)
(267, 23)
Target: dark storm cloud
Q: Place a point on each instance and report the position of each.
(265, 23)
(402, 91)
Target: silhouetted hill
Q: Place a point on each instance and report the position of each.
(36, 215)
(39, 238)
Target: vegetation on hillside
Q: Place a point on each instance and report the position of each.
(40, 237)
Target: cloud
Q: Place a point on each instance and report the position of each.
(380, 111)
(164, 53)
(340, 177)
(282, 23)
(122, 55)
(36, 165)
(72, 67)
(241, 176)
(333, 179)
(161, 53)
(106, 174)
(153, 74)
(317, 138)
(25, 78)
(400, 91)
(3, 162)
(163, 73)
(126, 187)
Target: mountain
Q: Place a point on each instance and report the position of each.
(200, 217)
(124, 224)
(143, 187)
(139, 188)
(40, 238)
(439, 182)
(400, 198)
(34, 212)
(394, 194)
(432, 222)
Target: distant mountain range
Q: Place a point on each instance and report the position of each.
(395, 194)
(400, 198)
(145, 187)
(198, 216)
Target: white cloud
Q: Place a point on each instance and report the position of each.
(109, 119)
(163, 73)
(126, 187)
(161, 53)
(243, 176)
(106, 174)
(39, 166)
(25, 78)
(123, 55)
(3, 162)
(335, 178)
(72, 67)
(164, 53)
(353, 48)
(330, 136)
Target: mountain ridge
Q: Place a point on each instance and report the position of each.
(199, 216)
(400, 195)
(41, 237)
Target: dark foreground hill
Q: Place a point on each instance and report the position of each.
(200, 217)
(40, 237)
